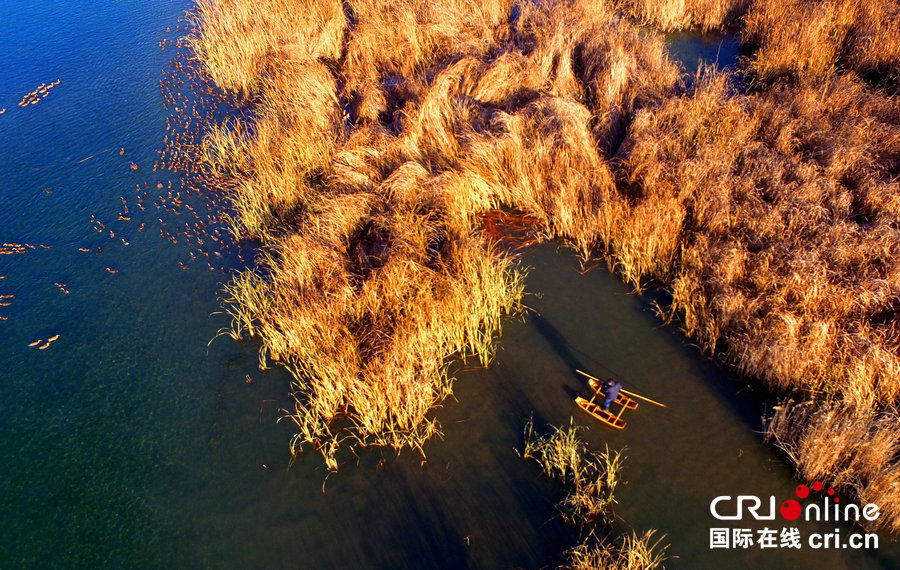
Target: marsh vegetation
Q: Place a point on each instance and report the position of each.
(372, 137)
(590, 479)
(379, 135)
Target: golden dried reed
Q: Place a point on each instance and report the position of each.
(379, 134)
(812, 39)
(850, 449)
(630, 552)
(773, 218)
(237, 41)
(591, 477)
(670, 15)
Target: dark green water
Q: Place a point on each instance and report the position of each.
(130, 443)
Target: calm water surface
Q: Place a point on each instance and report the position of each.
(131, 442)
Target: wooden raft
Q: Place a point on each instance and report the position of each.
(622, 400)
(596, 410)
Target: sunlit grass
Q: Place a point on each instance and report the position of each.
(772, 217)
(812, 39)
(630, 552)
(379, 134)
(590, 477)
(373, 135)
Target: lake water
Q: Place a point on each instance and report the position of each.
(132, 441)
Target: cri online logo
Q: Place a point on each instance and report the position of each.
(829, 510)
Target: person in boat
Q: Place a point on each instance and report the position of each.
(610, 389)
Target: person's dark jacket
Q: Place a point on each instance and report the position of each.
(611, 390)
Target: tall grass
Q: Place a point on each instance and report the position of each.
(671, 15)
(778, 241)
(365, 303)
(850, 449)
(590, 476)
(268, 164)
(238, 41)
(372, 137)
(809, 38)
(591, 479)
(395, 44)
(630, 552)
(794, 38)
(779, 235)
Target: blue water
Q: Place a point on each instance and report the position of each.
(693, 49)
(107, 428)
(132, 441)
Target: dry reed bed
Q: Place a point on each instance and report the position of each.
(780, 234)
(816, 306)
(809, 38)
(591, 477)
(379, 134)
(630, 552)
(779, 242)
(793, 38)
(365, 304)
(672, 15)
(374, 136)
(853, 450)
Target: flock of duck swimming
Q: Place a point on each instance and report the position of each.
(13, 249)
(198, 224)
(38, 95)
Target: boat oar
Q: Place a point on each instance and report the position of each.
(588, 375)
(643, 398)
(623, 391)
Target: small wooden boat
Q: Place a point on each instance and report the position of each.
(622, 400)
(605, 416)
(598, 412)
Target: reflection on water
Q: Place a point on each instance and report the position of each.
(129, 442)
(711, 48)
(694, 49)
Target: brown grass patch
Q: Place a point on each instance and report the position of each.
(591, 477)
(630, 552)
(237, 41)
(847, 448)
(812, 39)
(780, 244)
(671, 15)
(779, 234)
(380, 133)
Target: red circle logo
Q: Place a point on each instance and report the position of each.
(790, 510)
(802, 491)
